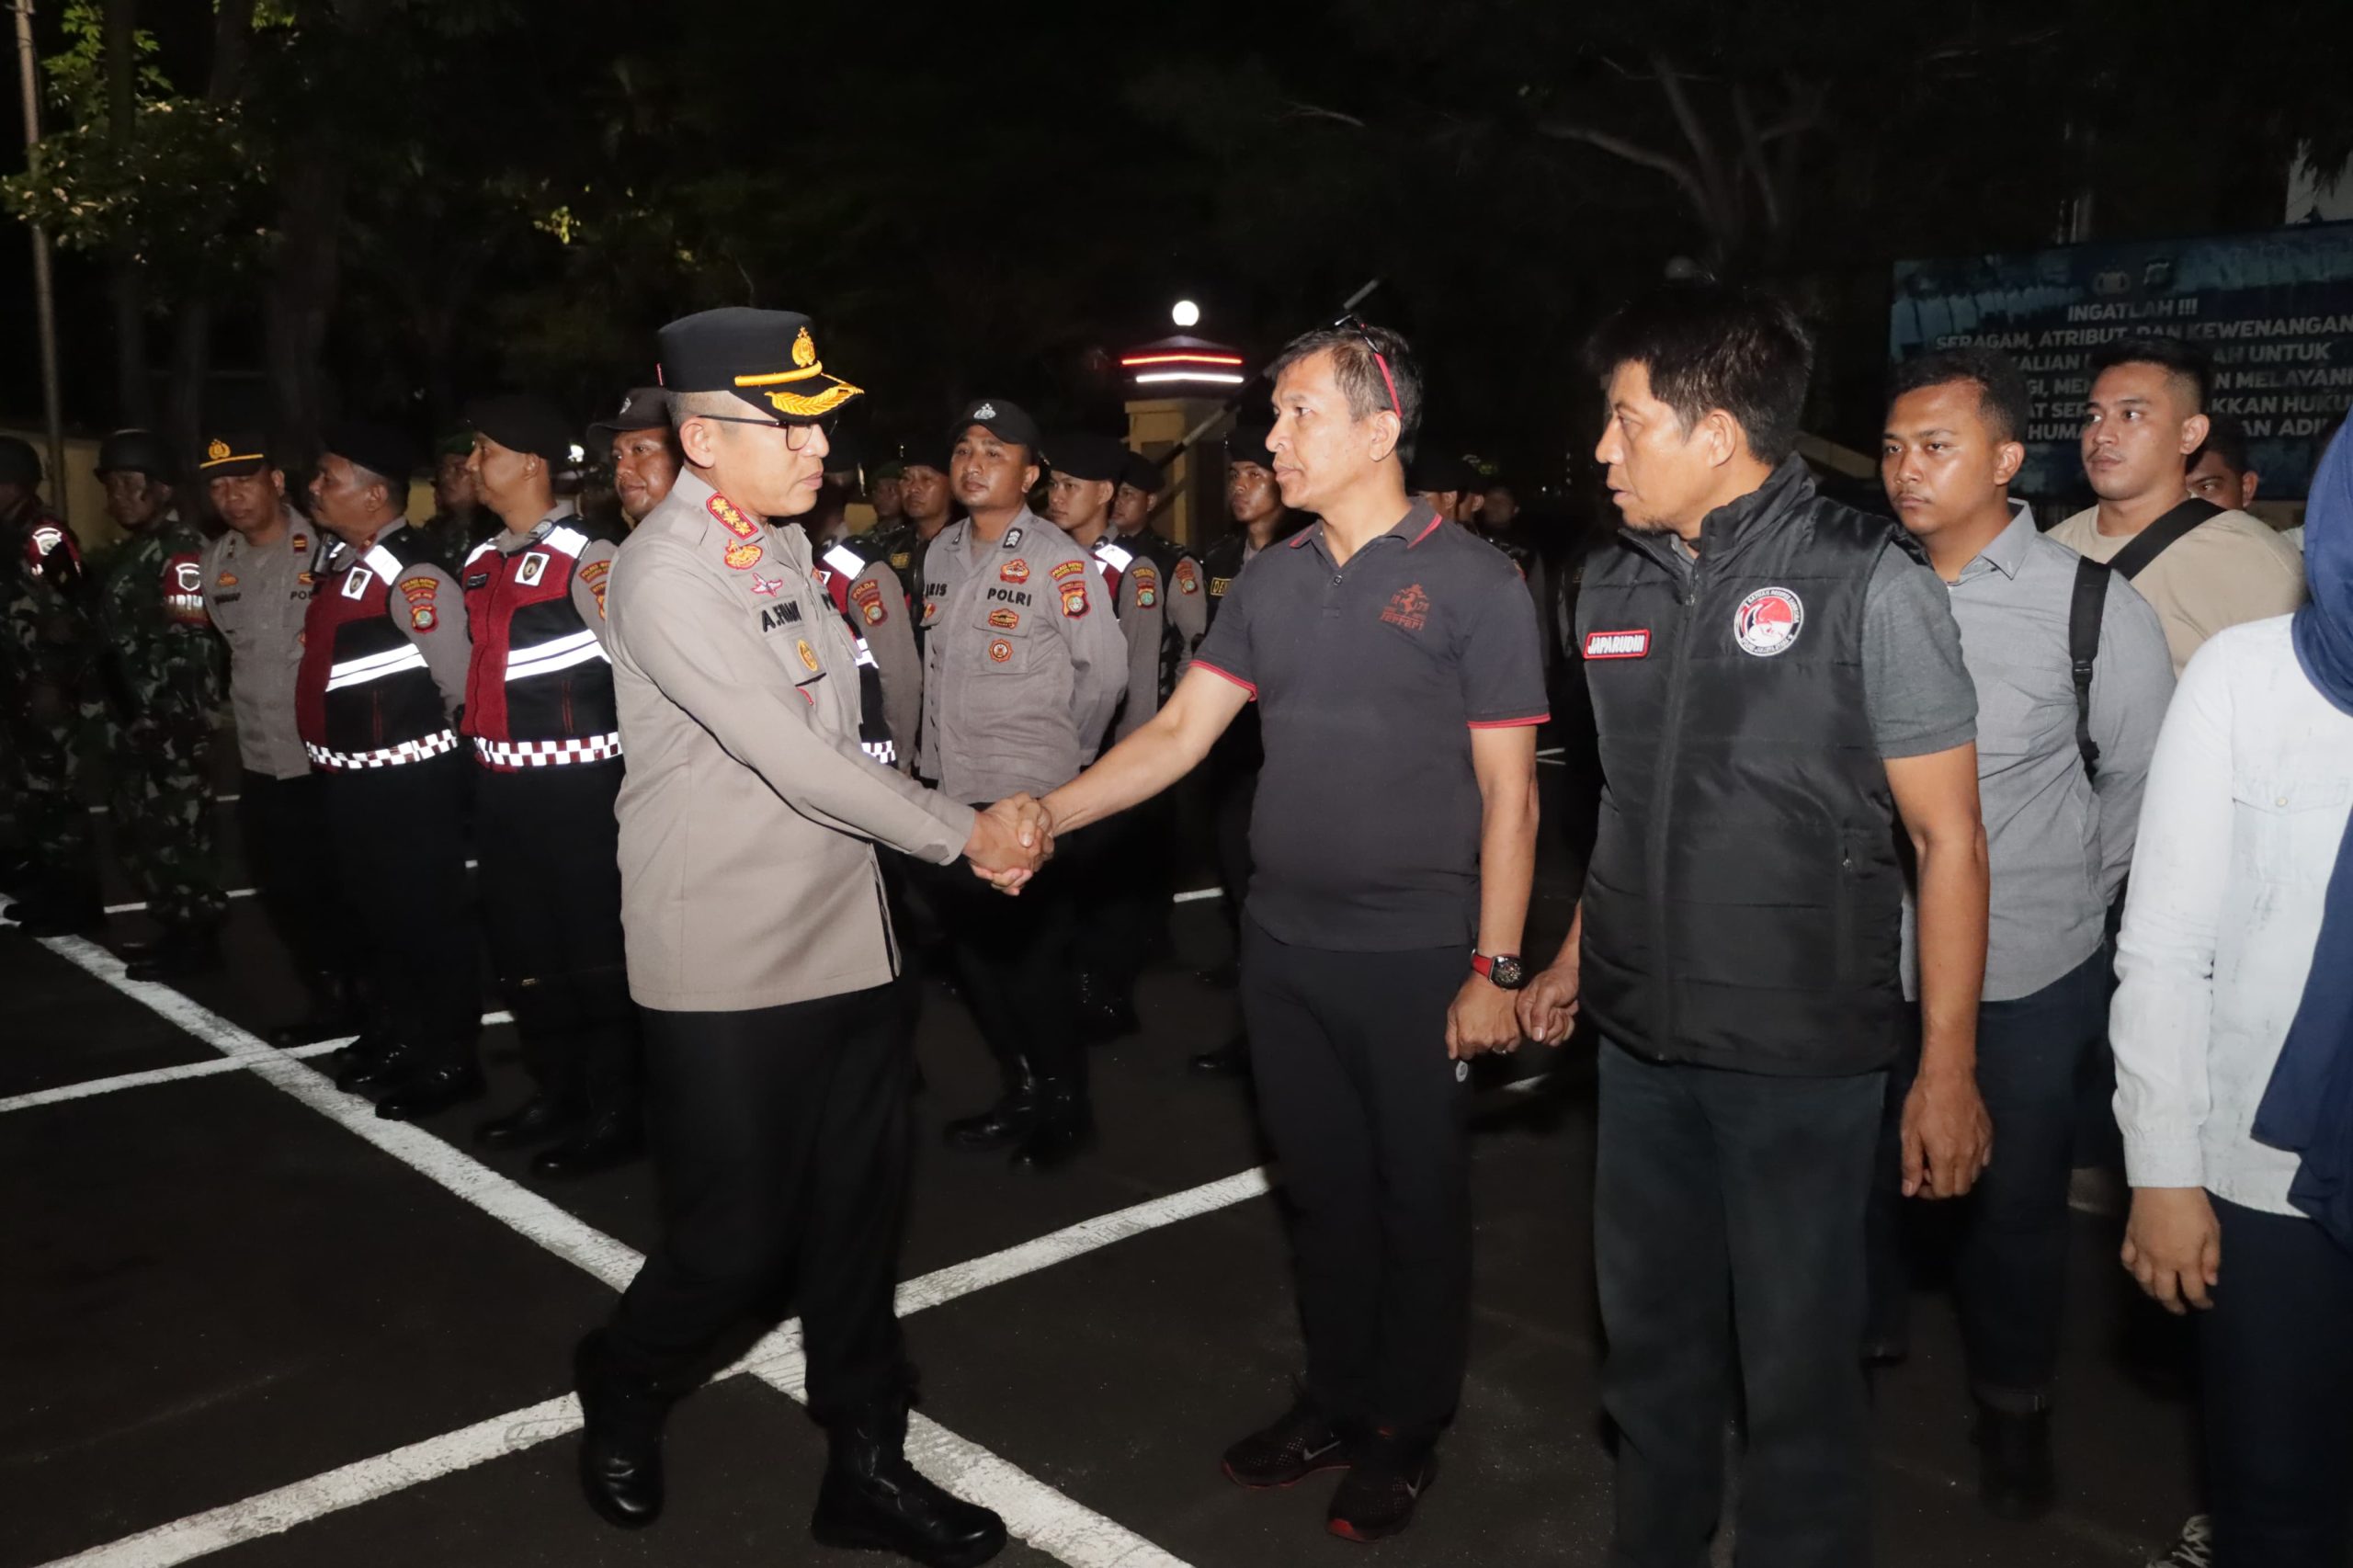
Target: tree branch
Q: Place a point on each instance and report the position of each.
(1618, 146)
(1316, 111)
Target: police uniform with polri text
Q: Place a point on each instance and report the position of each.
(871, 598)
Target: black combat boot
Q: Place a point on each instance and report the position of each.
(537, 1120)
(621, 1438)
(611, 1140)
(428, 1091)
(873, 1500)
(2015, 1478)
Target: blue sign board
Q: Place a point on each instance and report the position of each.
(2275, 310)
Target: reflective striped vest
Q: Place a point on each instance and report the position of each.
(364, 696)
(539, 691)
(837, 572)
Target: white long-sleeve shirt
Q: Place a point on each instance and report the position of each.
(2247, 803)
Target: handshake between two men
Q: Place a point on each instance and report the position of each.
(1010, 841)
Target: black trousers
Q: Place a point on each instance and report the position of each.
(548, 847)
(1016, 959)
(1133, 875)
(2276, 1356)
(399, 837)
(1367, 1117)
(1728, 1207)
(1232, 793)
(779, 1141)
(2010, 1269)
(284, 825)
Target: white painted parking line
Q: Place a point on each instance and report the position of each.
(174, 1075)
(1033, 1511)
(1195, 895)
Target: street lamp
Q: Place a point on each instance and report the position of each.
(1185, 313)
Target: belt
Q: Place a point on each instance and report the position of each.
(432, 746)
(547, 754)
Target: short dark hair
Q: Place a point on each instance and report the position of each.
(2002, 393)
(2184, 360)
(1352, 348)
(2226, 438)
(1710, 345)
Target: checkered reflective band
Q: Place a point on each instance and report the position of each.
(882, 751)
(431, 746)
(548, 754)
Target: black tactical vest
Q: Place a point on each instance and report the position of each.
(1744, 901)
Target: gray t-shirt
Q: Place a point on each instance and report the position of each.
(1916, 687)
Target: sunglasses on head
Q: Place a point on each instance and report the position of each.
(1354, 323)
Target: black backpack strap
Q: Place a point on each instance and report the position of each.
(2159, 536)
(2084, 614)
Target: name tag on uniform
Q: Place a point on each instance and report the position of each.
(1617, 644)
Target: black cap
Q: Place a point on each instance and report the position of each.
(1083, 454)
(521, 422)
(378, 449)
(890, 467)
(1143, 473)
(1436, 473)
(1006, 420)
(135, 452)
(642, 408)
(1248, 445)
(19, 464)
(767, 357)
(233, 454)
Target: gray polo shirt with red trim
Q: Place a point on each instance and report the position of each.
(1369, 677)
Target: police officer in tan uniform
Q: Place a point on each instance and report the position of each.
(1024, 668)
(257, 580)
(777, 1029)
(643, 450)
(874, 601)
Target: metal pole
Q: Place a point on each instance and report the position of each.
(44, 288)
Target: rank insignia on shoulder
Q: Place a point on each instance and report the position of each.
(731, 518)
(1012, 539)
(742, 557)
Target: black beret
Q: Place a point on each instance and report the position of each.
(135, 452)
(1143, 473)
(767, 357)
(521, 422)
(234, 454)
(642, 408)
(1005, 420)
(1248, 445)
(19, 464)
(378, 449)
(1083, 454)
(1436, 473)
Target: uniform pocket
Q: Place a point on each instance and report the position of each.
(2289, 829)
(1008, 632)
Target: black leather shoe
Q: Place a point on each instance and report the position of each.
(621, 1438)
(611, 1141)
(371, 1068)
(1006, 1122)
(536, 1120)
(181, 953)
(2015, 1478)
(1377, 1497)
(430, 1091)
(873, 1500)
(1296, 1444)
(1231, 1060)
(1063, 1130)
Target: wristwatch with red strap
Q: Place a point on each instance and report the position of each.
(1504, 971)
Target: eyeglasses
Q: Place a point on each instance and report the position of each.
(790, 442)
(1354, 323)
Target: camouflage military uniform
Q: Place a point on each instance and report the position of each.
(44, 659)
(160, 665)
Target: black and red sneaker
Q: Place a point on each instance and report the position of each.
(1376, 1498)
(1300, 1442)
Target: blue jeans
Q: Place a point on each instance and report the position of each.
(1730, 1202)
(2009, 1274)
(2277, 1353)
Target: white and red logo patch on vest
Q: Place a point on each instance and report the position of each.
(1635, 645)
(534, 567)
(1768, 622)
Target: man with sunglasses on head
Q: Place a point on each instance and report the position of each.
(1395, 665)
(759, 949)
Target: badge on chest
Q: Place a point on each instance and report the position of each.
(534, 566)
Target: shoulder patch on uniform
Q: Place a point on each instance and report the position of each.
(1189, 580)
(422, 617)
(594, 576)
(1070, 569)
(1073, 599)
(1147, 585)
(183, 589)
(420, 587)
(730, 519)
(866, 594)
